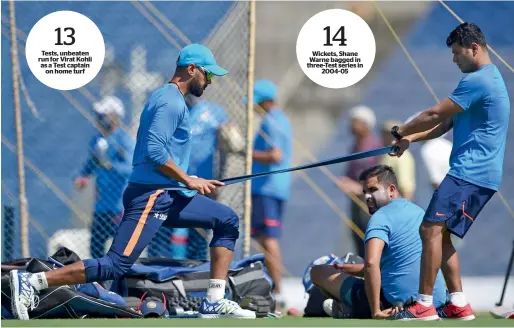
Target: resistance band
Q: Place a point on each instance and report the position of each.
(341, 159)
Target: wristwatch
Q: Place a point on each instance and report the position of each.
(394, 132)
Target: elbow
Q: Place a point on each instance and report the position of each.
(157, 155)
(433, 114)
(370, 264)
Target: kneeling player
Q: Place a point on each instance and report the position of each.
(392, 260)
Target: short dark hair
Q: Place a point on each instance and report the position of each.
(384, 174)
(465, 34)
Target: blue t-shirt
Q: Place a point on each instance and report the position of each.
(397, 224)
(277, 134)
(480, 131)
(205, 119)
(110, 160)
(164, 133)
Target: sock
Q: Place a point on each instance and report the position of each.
(458, 299)
(38, 281)
(216, 290)
(425, 300)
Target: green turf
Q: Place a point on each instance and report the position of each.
(481, 321)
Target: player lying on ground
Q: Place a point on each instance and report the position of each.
(392, 260)
(478, 110)
(160, 161)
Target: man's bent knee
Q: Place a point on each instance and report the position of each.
(323, 273)
(226, 229)
(328, 279)
(318, 275)
(109, 267)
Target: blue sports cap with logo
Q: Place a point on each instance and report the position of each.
(200, 56)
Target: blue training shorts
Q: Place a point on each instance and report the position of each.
(458, 203)
(266, 216)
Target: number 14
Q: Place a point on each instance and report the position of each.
(341, 39)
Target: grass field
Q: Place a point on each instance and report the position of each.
(484, 320)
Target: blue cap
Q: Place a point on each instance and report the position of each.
(153, 308)
(264, 90)
(200, 56)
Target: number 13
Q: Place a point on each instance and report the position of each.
(71, 36)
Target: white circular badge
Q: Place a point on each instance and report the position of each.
(335, 48)
(65, 50)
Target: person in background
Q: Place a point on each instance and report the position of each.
(405, 166)
(272, 151)
(110, 160)
(363, 122)
(435, 154)
(206, 161)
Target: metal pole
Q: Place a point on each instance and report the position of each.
(24, 222)
(249, 126)
(507, 275)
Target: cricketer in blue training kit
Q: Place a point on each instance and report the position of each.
(392, 255)
(161, 160)
(272, 151)
(478, 110)
(206, 119)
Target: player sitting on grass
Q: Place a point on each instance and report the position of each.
(392, 260)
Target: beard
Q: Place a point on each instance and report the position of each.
(378, 200)
(196, 89)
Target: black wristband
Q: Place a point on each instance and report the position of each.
(394, 132)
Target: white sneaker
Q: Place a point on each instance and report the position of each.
(23, 295)
(327, 306)
(223, 309)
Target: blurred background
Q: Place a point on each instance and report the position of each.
(76, 146)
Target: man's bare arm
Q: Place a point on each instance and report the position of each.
(172, 170)
(434, 133)
(352, 269)
(274, 155)
(372, 274)
(430, 119)
(203, 186)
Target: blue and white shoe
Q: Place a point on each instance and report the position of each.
(223, 309)
(23, 295)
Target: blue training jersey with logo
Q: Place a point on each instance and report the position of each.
(164, 133)
(397, 224)
(480, 131)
